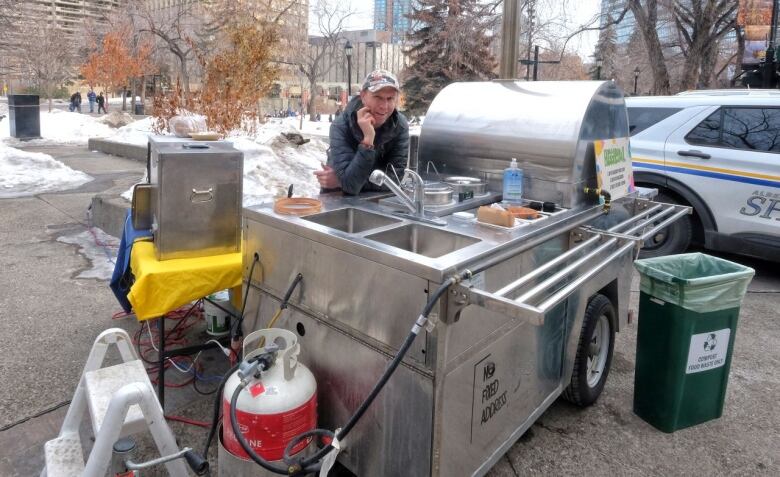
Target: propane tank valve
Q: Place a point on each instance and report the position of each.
(254, 366)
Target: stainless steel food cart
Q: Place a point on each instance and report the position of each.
(503, 343)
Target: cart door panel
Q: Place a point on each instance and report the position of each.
(495, 392)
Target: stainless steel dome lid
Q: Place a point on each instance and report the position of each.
(549, 126)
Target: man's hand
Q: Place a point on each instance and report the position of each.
(327, 178)
(366, 122)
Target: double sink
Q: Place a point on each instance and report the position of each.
(421, 239)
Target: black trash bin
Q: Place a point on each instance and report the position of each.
(24, 114)
(139, 109)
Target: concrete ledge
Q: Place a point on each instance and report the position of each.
(108, 213)
(130, 151)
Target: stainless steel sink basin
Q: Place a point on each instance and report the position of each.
(420, 239)
(351, 220)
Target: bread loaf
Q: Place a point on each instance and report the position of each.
(495, 216)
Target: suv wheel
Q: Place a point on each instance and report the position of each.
(673, 239)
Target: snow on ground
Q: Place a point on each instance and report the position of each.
(270, 167)
(136, 133)
(99, 248)
(271, 162)
(60, 127)
(315, 128)
(28, 173)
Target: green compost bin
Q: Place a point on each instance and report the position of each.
(688, 311)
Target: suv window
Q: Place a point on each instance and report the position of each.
(640, 119)
(707, 132)
(754, 129)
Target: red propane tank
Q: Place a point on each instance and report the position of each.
(275, 408)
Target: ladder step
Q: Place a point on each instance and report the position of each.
(102, 383)
(64, 457)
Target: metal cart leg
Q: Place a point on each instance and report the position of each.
(161, 369)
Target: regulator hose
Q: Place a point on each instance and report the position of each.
(312, 464)
(217, 407)
(421, 320)
(245, 445)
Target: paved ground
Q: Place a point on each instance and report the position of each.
(49, 320)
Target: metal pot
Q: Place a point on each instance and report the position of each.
(436, 193)
(466, 187)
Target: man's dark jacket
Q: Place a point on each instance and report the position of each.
(353, 163)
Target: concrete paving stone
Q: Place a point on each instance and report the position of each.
(130, 151)
(108, 212)
(90, 162)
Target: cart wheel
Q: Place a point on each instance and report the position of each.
(594, 353)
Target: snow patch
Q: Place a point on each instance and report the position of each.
(99, 248)
(136, 133)
(60, 127)
(25, 173)
(271, 162)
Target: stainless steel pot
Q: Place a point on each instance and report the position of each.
(466, 187)
(436, 193)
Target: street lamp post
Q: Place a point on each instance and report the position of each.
(636, 78)
(599, 62)
(348, 53)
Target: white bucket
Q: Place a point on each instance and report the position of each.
(217, 320)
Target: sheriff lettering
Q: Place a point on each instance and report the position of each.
(762, 204)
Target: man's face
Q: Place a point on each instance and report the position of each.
(381, 103)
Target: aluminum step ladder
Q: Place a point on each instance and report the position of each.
(121, 401)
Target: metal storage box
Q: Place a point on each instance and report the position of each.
(196, 197)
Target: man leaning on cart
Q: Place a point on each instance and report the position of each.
(371, 134)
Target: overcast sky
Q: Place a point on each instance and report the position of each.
(581, 11)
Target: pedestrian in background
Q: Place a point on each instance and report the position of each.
(101, 102)
(75, 102)
(91, 98)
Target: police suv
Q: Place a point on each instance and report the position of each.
(719, 152)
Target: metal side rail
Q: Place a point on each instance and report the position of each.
(570, 270)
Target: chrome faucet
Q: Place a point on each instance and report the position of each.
(414, 203)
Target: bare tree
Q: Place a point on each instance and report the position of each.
(331, 16)
(740, 53)
(646, 17)
(10, 14)
(48, 61)
(175, 28)
(702, 24)
(568, 68)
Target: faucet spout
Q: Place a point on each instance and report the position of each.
(418, 199)
(380, 178)
(415, 203)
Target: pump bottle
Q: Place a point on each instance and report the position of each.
(513, 183)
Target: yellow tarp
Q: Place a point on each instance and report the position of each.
(162, 286)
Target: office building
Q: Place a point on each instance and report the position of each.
(390, 15)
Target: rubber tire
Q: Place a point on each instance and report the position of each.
(678, 235)
(579, 392)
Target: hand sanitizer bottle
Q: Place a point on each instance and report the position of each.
(513, 183)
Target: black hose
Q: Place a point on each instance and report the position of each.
(217, 408)
(235, 330)
(388, 371)
(312, 464)
(290, 290)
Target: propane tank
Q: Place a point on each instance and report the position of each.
(278, 406)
